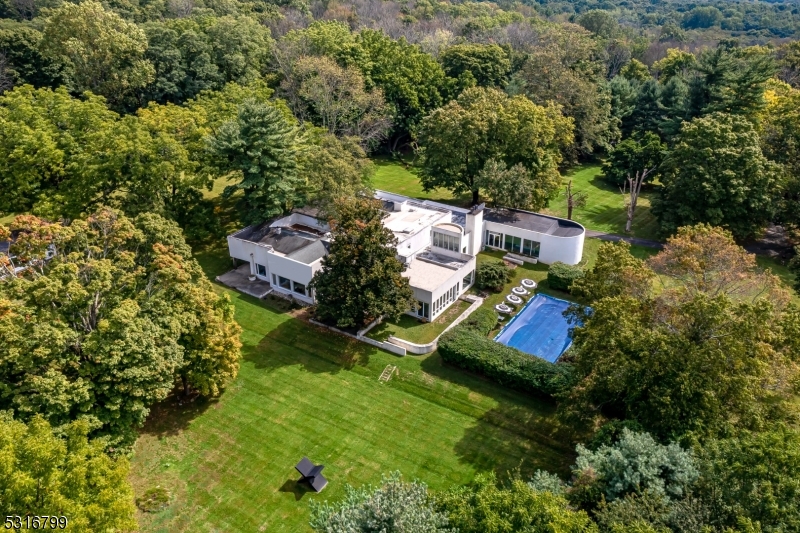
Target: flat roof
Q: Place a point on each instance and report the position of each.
(302, 246)
(412, 220)
(547, 225)
(427, 276)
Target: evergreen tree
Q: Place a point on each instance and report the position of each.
(261, 146)
(394, 507)
(361, 278)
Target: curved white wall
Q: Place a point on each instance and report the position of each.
(568, 250)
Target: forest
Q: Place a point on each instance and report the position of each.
(135, 134)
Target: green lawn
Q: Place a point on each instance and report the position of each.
(605, 205)
(604, 211)
(411, 329)
(401, 178)
(304, 391)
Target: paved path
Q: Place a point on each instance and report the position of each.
(633, 240)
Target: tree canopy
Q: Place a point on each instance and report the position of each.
(458, 140)
(361, 278)
(47, 472)
(716, 173)
(110, 324)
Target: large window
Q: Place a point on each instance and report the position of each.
(495, 240)
(262, 270)
(284, 283)
(423, 309)
(468, 279)
(448, 242)
(299, 288)
(513, 244)
(530, 248)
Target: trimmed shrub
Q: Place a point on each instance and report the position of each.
(483, 320)
(561, 275)
(469, 349)
(492, 275)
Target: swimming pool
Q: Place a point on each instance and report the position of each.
(539, 328)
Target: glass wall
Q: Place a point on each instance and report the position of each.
(448, 242)
(513, 244)
(530, 248)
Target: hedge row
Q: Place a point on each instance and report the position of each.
(473, 351)
(482, 320)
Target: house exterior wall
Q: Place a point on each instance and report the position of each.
(256, 254)
(415, 243)
(568, 250)
(430, 297)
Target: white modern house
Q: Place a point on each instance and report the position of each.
(437, 243)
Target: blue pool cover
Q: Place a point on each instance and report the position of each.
(539, 328)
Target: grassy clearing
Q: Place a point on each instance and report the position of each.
(229, 464)
(411, 329)
(605, 205)
(402, 178)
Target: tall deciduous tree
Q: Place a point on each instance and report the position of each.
(335, 98)
(110, 324)
(488, 64)
(516, 187)
(361, 278)
(260, 146)
(63, 474)
(689, 358)
(717, 174)
(639, 153)
(486, 505)
(753, 476)
(780, 142)
(334, 167)
(411, 80)
(565, 69)
(457, 140)
(102, 52)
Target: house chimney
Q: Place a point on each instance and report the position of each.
(475, 229)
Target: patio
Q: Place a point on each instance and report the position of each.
(239, 279)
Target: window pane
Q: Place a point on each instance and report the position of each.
(299, 288)
(284, 283)
(517, 244)
(262, 270)
(509, 242)
(526, 247)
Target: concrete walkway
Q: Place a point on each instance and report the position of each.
(647, 243)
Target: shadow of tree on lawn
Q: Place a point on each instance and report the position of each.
(521, 431)
(319, 350)
(173, 415)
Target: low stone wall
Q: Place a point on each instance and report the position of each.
(421, 349)
(398, 350)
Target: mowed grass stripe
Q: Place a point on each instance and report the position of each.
(304, 391)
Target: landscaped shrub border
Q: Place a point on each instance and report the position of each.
(561, 275)
(471, 350)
